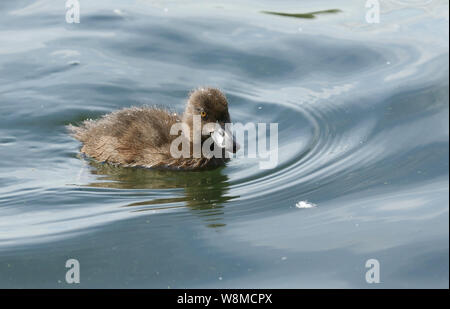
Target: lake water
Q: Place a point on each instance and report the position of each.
(363, 120)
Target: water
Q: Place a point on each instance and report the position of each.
(363, 135)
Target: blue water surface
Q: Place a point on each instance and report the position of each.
(363, 134)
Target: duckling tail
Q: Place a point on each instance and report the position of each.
(76, 132)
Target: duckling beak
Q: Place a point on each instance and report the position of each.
(224, 138)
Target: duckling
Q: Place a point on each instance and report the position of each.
(140, 136)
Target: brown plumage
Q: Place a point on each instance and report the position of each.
(140, 136)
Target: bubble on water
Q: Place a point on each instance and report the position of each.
(305, 204)
(119, 12)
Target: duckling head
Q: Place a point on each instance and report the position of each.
(209, 106)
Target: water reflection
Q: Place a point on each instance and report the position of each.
(309, 15)
(205, 192)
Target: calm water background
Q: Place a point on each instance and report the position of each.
(363, 133)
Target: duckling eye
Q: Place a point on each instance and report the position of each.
(203, 114)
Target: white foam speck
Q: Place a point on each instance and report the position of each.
(119, 12)
(305, 204)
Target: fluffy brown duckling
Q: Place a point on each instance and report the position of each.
(140, 136)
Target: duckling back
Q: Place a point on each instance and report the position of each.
(131, 136)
